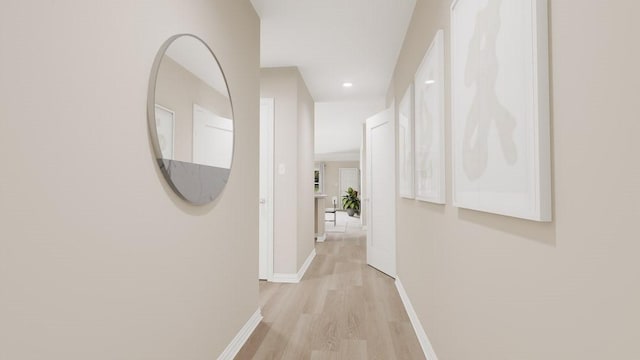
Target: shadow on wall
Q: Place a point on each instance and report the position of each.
(429, 206)
(543, 232)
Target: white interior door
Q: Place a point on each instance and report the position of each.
(348, 178)
(265, 255)
(212, 138)
(381, 190)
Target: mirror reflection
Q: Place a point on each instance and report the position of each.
(192, 119)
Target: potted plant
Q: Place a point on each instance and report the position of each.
(351, 202)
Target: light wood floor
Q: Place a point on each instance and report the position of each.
(342, 309)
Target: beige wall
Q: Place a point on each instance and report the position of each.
(99, 259)
(306, 202)
(293, 150)
(280, 84)
(177, 89)
(364, 202)
(492, 287)
(332, 179)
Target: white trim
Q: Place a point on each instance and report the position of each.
(266, 244)
(241, 337)
(307, 263)
(364, 227)
(338, 156)
(295, 278)
(321, 237)
(285, 278)
(429, 353)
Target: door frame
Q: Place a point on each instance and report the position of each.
(371, 123)
(265, 246)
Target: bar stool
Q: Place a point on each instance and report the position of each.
(333, 211)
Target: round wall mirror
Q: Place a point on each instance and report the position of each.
(191, 119)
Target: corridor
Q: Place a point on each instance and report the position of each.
(342, 309)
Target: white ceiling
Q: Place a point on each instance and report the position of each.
(332, 42)
(338, 127)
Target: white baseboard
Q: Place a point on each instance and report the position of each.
(429, 353)
(243, 335)
(295, 278)
(321, 237)
(307, 263)
(285, 278)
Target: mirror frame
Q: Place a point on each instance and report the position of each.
(189, 174)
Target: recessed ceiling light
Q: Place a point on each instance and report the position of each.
(429, 82)
(347, 84)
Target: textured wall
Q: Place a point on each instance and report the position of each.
(98, 258)
(491, 287)
(293, 152)
(306, 202)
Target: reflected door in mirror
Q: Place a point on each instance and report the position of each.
(191, 119)
(212, 138)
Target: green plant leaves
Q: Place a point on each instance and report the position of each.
(351, 200)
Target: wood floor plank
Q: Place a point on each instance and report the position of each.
(325, 326)
(273, 307)
(254, 342)
(315, 303)
(324, 355)
(342, 309)
(353, 349)
(405, 344)
(299, 343)
(379, 343)
(353, 322)
(271, 346)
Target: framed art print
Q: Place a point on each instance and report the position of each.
(165, 125)
(500, 107)
(429, 124)
(405, 145)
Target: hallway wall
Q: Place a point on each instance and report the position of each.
(306, 192)
(293, 152)
(492, 287)
(98, 258)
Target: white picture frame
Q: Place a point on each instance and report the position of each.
(405, 145)
(500, 107)
(429, 124)
(165, 126)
